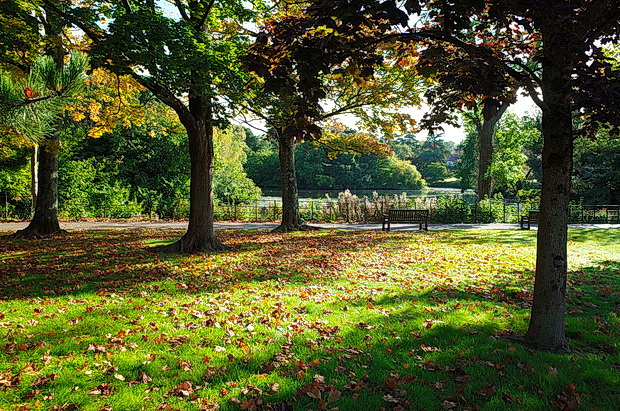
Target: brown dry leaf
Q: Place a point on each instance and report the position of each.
(448, 405)
(184, 389)
(314, 392)
(104, 389)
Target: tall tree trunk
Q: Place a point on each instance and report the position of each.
(200, 236)
(491, 114)
(291, 219)
(546, 329)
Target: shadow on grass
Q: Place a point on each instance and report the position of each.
(92, 261)
(606, 237)
(379, 342)
(373, 361)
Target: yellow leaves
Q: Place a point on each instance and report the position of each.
(113, 101)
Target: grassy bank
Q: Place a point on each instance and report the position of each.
(318, 320)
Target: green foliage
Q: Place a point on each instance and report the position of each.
(29, 105)
(516, 150)
(15, 175)
(316, 167)
(231, 184)
(435, 172)
(87, 189)
(508, 167)
(597, 169)
(467, 166)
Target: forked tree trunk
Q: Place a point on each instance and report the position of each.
(45, 223)
(291, 219)
(200, 236)
(486, 147)
(546, 329)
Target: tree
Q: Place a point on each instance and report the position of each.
(485, 117)
(514, 137)
(32, 109)
(345, 90)
(30, 31)
(188, 63)
(564, 39)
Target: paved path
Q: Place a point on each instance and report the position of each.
(124, 225)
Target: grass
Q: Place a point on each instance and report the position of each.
(316, 320)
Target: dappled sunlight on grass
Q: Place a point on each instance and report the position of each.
(354, 320)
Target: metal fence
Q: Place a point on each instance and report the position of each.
(447, 209)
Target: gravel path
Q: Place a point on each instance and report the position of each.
(125, 225)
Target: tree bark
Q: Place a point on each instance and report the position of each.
(34, 181)
(546, 328)
(291, 219)
(200, 236)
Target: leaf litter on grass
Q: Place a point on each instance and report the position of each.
(321, 320)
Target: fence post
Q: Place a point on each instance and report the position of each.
(476, 211)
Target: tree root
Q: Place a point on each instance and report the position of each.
(34, 234)
(192, 245)
(532, 347)
(282, 228)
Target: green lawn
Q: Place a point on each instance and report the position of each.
(318, 320)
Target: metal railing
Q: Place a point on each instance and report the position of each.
(446, 209)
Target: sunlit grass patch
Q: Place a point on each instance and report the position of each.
(353, 320)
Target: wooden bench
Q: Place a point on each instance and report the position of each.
(531, 218)
(405, 215)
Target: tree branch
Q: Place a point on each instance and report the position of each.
(95, 34)
(181, 9)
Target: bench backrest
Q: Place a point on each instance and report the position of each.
(408, 214)
(533, 215)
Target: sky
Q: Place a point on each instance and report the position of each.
(523, 106)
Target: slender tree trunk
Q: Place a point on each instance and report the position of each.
(200, 236)
(546, 329)
(45, 223)
(34, 181)
(485, 157)
(291, 219)
(486, 146)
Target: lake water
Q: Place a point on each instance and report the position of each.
(270, 195)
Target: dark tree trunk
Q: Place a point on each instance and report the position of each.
(485, 157)
(291, 219)
(45, 223)
(200, 236)
(34, 179)
(486, 135)
(546, 329)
